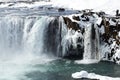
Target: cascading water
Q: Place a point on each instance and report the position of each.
(32, 34)
(11, 34)
(91, 42)
(47, 35)
(17, 33)
(87, 42)
(21, 42)
(35, 35)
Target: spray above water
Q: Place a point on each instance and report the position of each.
(21, 40)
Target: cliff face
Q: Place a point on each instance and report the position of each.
(75, 35)
(105, 34)
(111, 37)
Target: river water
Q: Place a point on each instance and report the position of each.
(51, 69)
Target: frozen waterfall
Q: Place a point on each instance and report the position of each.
(32, 35)
(91, 42)
(45, 35)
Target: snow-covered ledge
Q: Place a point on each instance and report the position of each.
(85, 74)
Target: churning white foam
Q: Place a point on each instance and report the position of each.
(86, 61)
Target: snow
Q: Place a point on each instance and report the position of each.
(117, 55)
(119, 34)
(111, 22)
(102, 30)
(71, 39)
(109, 6)
(17, 0)
(99, 20)
(85, 74)
(86, 61)
(79, 4)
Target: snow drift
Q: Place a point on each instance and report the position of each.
(85, 74)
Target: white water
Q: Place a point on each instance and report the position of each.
(87, 42)
(21, 35)
(21, 45)
(91, 46)
(34, 39)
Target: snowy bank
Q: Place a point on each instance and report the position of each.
(96, 5)
(85, 74)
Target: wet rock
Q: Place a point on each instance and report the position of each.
(70, 24)
(61, 10)
(52, 37)
(117, 13)
(76, 18)
(100, 14)
(93, 32)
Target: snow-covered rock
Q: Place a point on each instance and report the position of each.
(85, 74)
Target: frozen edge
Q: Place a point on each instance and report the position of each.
(85, 74)
(87, 61)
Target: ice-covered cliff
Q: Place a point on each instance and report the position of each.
(79, 34)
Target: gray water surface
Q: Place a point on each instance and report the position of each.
(62, 70)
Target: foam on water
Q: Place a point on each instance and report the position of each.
(16, 67)
(86, 61)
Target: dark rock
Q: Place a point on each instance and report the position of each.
(113, 20)
(100, 14)
(82, 16)
(112, 52)
(117, 13)
(93, 32)
(70, 24)
(10, 4)
(67, 20)
(76, 18)
(61, 10)
(85, 17)
(52, 37)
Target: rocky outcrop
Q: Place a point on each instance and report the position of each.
(61, 9)
(74, 39)
(70, 24)
(109, 32)
(111, 37)
(77, 18)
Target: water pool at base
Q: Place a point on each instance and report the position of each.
(62, 70)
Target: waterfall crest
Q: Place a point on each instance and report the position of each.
(22, 35)
(45, 35)
(32, 35)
